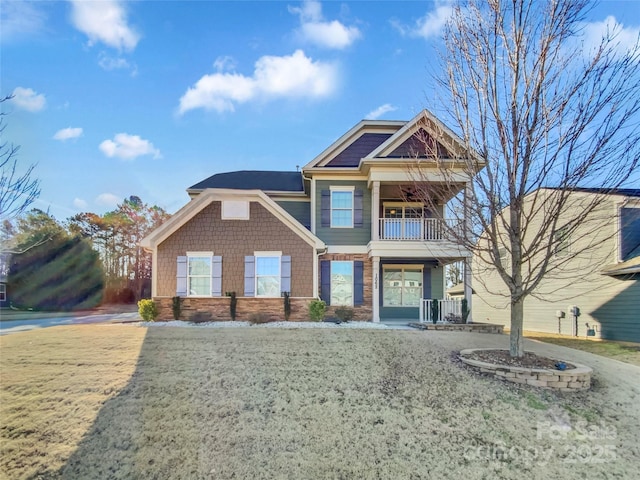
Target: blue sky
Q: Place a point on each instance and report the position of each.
(146, 98)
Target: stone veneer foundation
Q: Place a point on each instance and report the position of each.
(218, 307)
(576, 379)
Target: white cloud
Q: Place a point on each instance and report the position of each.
(128, 147)
(623, 39)
(225, 63)
(295, 75)
(109, 63)
(380, 111)
(430, 25)
(68, 133)
(104, 21)
(27, 99)
(108, 200)
(314, 29)
(20, 19)
(80, 204)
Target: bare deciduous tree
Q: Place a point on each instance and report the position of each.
(17, 190)
(547, 115)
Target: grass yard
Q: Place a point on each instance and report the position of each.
(258, 403)
(622, 351)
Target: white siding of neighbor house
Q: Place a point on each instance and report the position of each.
(610, 304)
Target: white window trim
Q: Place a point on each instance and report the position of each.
(199, 255)
(255, 273)
(347, 188)
(403, 267)
(353, 282)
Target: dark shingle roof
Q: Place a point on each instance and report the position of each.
(350, 156)
(628, 192)
(254, 180)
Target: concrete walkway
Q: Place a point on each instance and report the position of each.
(25, 321)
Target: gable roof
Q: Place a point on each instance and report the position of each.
(375, 141)
(351, 156)
(627, 192)
(268, 181)
(425, 123)
(364, 127)
(210, 195)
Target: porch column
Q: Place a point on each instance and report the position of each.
(375, 211)
(467, 261)
(468, 291)
(375, 288)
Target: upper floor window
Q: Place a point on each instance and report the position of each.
(342, 207)
(403, 210)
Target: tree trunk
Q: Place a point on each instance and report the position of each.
(516, 347)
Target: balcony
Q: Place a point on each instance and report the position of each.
(418, 229)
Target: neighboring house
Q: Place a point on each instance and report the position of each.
(604, 282)
(5, 258)
(345, 230)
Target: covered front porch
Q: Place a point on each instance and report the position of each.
(409, 290)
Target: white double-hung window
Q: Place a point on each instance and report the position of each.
(268, 265)
(199, 266)
(342, 207)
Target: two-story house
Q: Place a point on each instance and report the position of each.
(344, 229)
(596, 268)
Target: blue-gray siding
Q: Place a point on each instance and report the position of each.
(301, 211)
(344, 236)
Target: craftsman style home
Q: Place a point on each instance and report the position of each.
(344, 229)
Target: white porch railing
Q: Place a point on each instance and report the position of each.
(447, 310)
(416, 228)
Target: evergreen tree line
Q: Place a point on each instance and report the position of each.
(82, 262)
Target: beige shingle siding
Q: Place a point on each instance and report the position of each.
(233, 240)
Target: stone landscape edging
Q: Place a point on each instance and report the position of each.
(571, 380)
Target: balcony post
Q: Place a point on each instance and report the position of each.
(375, 211)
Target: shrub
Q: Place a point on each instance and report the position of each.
(453, 318)
(176, 307)
(317, 309)
(344, 313)
(233, 304)
(148, 309)
(465, 310)
(287, 305)
(434, 310)
(201, 317)
(260, 318)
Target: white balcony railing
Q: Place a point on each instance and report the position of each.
(417, 228)
(448, 311)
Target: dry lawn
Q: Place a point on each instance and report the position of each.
(126, 402)
(622, 351)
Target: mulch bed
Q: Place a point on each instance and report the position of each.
(502, 357)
